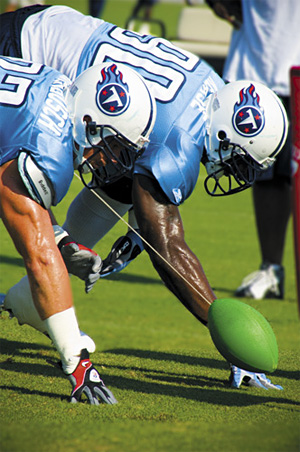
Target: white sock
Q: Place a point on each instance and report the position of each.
(64, 332)
(19, 300)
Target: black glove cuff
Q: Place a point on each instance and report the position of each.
(67, 239)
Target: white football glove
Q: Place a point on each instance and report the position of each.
(239, 376)
(86, 380)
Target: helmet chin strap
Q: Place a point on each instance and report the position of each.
(146, 242)
(79, 159)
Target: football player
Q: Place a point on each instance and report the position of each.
(39, 138)
(233, 130)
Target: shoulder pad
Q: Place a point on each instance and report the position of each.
(38, 185)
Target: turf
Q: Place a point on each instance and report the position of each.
(160, 363)
(170, 382)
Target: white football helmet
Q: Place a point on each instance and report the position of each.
(110, 104)
(246, 128)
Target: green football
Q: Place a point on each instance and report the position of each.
(242, 335)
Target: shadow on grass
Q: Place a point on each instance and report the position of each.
(218, 396)
(143, 379)
(173, 388)
(15, 349)
(33, 392)
(8, 347)
(166, 356)
(15, 261)
(131, 278)
(191, 360)
(124, 276)
(191, 387)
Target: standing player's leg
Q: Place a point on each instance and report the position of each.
(272, 204)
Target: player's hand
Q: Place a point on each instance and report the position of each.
(86, 380)
(123, 251)
(239, 376)
(81, 261)
(230, 11)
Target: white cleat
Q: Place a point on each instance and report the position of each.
(267, 282)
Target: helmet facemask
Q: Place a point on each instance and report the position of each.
(231, 174)
(117, 163)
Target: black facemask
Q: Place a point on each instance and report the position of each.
(116, 166)
(234, 174)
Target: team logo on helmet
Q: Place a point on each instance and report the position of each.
(112, 96)
(248, 118)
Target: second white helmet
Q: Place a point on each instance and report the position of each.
(246, 128)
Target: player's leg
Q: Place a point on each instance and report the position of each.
(19, 303)
(31, 230)
(89, 219)
(272, 204)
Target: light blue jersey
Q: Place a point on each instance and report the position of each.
(179, 80)
(34, 121)
(181, 84)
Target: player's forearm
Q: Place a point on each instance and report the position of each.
(186, 279)
(160, 224)
(47, 273)
(31, 231)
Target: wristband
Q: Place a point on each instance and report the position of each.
(59, 233)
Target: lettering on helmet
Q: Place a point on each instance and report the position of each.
(112, 96)
(248, 118)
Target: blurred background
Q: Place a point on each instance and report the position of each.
(164, 18)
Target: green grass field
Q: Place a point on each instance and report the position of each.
(160, 363)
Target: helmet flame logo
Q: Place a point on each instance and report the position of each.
(248, 117)
(112, 96)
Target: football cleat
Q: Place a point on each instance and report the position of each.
(267, 282)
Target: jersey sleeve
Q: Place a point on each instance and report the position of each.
(175, 165)
(36, 128)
